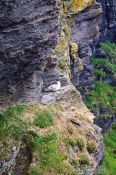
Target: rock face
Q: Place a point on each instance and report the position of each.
(101, 26)
(28, 32)
(105, 124)
(39, 41)
(85, 31)
(99, 19)
(107, 21)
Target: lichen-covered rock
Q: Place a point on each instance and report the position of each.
(85, 32)
(75, 6)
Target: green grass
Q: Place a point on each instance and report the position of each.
(75, 141)
(91, 147)
(48, 158)
(103, 95)
(99, 73)
(99, 63)
(109, 48)
(12, 123)
(13, 127)
(109, 163)
(43, 119)
(84, 160)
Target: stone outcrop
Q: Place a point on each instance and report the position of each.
(39, 41)
(107, 21)
(29, 30)
(85, 31)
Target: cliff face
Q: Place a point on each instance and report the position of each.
(43, 43)
(107, 21)
(85, 31)
(102, 27)
(28, 32)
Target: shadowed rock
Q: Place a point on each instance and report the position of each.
(28, 32)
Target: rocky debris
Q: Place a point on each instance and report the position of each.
(5, 166)
(20, 157)
(75, 122)
(23, 160)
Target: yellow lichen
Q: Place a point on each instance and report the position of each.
(62, 43)
(74, 48)
(74, 6)
(74, 55)
(62, 51)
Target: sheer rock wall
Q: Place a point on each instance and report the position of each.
(39, 42)
(28, 32)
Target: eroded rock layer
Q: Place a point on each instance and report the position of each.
(28, 32)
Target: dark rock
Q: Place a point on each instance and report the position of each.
(105, 124)
(85, 32)
(75, 122)
(107, 21)
(28, 32)
(100, 53)
(19, 159)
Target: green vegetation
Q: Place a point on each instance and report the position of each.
(100, 62)
(91, 146)
(48, 158)
(104, 94)
(109, 163)
(13, 127)
(76, 141)
(43, 119)
(74, 162)
(109, 48)
(99, 73)
(84, 160)
(12, 123)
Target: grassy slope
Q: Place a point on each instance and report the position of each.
(39, 125)
(104, 94)
(109, 164)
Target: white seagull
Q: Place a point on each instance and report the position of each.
(54, 87)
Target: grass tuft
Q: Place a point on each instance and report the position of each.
(76, 141)
(91, 147)
(43, 119)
